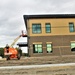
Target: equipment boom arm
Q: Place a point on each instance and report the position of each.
(15, 41)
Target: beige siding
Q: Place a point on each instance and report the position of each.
(58, 26)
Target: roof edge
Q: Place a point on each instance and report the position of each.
(43, 16)
(49, 16)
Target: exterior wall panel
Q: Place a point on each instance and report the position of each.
(60, 36)
(58, 26)
(61, 45)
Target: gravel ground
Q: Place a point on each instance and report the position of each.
(38, 60)
(62, 70)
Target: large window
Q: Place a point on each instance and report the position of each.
(36, 28)
(37, 48)
(48, 28)
(49, 48)
(72, 46)
(71, 27)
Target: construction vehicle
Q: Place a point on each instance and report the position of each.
(11, 52)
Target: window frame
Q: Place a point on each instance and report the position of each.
(49, 47)
(34, 48)
(72, 48)
(36, 25)
(47, 27)
(70, 27)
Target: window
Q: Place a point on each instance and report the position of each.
(48, 28)
(36, 28)
(49, 48)
(37, 48)
(72, 46)
(71, 27)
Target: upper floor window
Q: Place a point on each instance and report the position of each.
(36, 28)
(48, 28)
(71, 27)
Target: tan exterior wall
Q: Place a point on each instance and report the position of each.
(58, 26)
(60, 36)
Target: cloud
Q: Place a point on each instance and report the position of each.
(12, 11)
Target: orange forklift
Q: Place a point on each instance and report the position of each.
(12, 53)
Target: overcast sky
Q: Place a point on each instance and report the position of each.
(12, 11)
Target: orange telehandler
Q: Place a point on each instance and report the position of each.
(11, 52)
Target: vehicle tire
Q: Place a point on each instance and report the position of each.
(18, 56)
(8, 57)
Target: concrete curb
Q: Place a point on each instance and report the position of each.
(38, 66)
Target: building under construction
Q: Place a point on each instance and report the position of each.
(50, 35)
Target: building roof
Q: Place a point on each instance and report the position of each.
(44, 16)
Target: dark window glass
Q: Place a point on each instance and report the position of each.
(48, 28)
(36, 28)
(71, 27)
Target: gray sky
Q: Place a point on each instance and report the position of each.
(12, 11)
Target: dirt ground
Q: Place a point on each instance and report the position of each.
(70, 70)
(38, 60)
(64, 70)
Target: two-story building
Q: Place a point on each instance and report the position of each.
(51, 34)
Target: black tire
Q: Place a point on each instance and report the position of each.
(8, 57)
(18, 56)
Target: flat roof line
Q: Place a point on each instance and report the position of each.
(49, 16)
(46, 16)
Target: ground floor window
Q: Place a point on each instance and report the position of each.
(37, 48)
(49, 48)
(72, 46)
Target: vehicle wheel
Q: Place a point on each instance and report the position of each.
(18, 56)
(8, 57)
